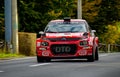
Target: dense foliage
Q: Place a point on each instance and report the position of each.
(35, 14)
(2, 19)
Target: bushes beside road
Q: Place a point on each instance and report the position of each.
(9, 56)
(27, 46)
(27, 43)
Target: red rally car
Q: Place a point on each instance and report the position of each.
(67, 39)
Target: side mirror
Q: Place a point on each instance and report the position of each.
(85, 34)
(93, 31)
(42, 33)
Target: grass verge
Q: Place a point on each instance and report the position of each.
(6, 56)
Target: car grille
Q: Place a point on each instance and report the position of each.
(63, 49)
(63, 39)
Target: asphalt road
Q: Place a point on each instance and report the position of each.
(107, 66)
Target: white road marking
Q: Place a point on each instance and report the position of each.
(1, 71)
(102, 55)
(42, 64)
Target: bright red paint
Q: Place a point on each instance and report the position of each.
(67, 44)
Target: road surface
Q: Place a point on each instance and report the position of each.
(107, 66)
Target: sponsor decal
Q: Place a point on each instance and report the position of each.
(45, 53)
(64, 34)
(83, 52)
(63, 49)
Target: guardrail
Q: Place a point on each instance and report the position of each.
(102, 47)
(109, 48)
(113, 48)
(1, 44)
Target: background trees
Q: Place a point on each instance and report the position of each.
(35, 14)
(2, 19)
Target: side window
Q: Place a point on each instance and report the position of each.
(87, 26)
(91, 33)
(46, 28)
(90, 30)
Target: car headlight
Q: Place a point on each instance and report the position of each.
(44, 43)
(83, 43)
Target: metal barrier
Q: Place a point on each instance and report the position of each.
(114, 48)
(107, 48)
(102, 47)
(1, 44)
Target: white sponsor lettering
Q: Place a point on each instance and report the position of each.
(63, 49)
(67, 49)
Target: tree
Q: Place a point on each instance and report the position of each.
(111, 36)
(90, 9)
(28, 18)
(35, 14)
(2, 30)
(108, 12)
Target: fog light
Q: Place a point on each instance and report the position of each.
(87, 47)
(44, 43)
(42, 49)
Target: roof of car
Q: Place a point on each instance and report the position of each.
(61, 20)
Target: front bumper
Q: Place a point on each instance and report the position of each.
(80, 52)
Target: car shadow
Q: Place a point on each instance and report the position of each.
(68, 60)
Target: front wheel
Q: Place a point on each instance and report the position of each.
(91, 58)
(96, 55)
(41, 59)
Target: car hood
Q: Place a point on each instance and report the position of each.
(67, 35)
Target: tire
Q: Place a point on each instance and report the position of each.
(96, 54)
(48, 60)
(91, 58)
(39, 59)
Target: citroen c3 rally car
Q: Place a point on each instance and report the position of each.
(67, 39)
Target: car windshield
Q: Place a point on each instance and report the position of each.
(66, 27)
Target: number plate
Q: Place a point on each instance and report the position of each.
(62, 49)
